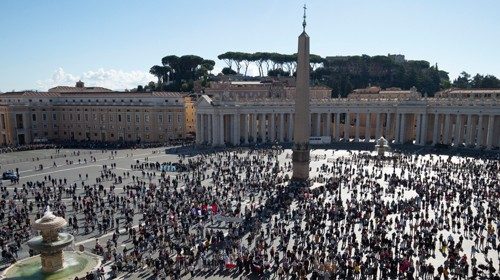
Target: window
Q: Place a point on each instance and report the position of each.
(78, 117)
(86, 117)
(146, 118)
(179, 118)
(54, 117)
(44, 117)
(102, 118)
(63, 117)
(160, 118)
(137, 118)
(128, 117)
(169, 118)
(119, 118)
(33, 117)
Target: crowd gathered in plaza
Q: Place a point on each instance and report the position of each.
(233, 213)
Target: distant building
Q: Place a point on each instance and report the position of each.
(388, 93)
(237, 113)
(91, 113)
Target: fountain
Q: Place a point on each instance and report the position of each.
(51, 243)
(53, 263)
(382, 146)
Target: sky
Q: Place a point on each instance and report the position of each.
(113, 43)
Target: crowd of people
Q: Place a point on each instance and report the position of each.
(234, 214)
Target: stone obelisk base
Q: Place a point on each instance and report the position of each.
(300, 159)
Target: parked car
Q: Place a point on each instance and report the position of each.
(9, 175)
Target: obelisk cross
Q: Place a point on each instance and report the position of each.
(304, 22)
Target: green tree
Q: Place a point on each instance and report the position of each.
(228, 71)
(463, 81)
(157, 71)
(490, 81)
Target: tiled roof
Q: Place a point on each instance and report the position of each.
(67, 89)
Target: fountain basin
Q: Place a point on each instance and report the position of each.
(63, 240)
(76, 264)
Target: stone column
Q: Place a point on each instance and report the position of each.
(262, 124)
(337, 126)
(418, 129)
(490, 131)
(317, 129)
(210, 129)
(272, 128)
(388, 128)
(479, 142)
(458, 130)
(367, 127)
(471, 129)
(402, 130)
(347, 126)
(423, 131)
(215, 130)
(446, 129)
(237, 129)
(435, 137)
(254, 127)
(461, 137)
(282, 128)
(290, 127)
(245, 128)
(357, 128)
(198, 129)
(221, 130)
(397, 130)
(328, 124)
(377, 126)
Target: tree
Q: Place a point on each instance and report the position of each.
(463, 81)
(228, 71)
(490, 81)
(227, 57)
(315, 61)
(476, 81)
(278, 72)
(247, 58)
(157, 71)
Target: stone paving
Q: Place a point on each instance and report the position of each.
(70, 165)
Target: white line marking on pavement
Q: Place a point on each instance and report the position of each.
(62, 170)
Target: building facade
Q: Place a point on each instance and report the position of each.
(90, 114)
(242, 113)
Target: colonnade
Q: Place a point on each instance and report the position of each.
(480, 130)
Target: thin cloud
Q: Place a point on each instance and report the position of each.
(110, 78)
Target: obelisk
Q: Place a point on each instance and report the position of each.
(302, 125)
